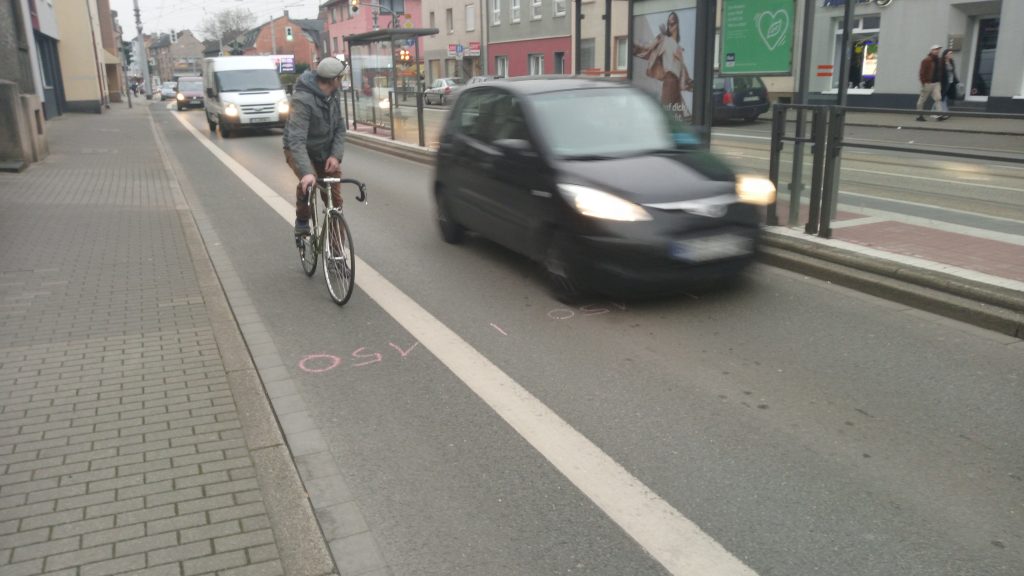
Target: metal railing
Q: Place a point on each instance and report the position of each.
(827, 140)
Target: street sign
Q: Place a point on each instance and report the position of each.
(757, 37)
(460, 51)
(474, 49)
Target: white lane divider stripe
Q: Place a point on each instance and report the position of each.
(672, 539)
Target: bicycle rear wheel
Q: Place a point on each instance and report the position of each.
(339, 258)
(307, 243)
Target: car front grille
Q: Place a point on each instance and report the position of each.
(257, 109)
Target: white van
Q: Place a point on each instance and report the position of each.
(243, 91)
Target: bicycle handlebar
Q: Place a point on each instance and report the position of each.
(331, 180)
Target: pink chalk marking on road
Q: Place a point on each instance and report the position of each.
(498, 328)
(404, 353)
(376, 357)
(335, 361)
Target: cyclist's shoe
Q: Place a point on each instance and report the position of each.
(301, 229)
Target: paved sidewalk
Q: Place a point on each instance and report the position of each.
(135, 436)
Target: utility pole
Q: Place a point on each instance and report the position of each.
(143, 56)
(273, 36)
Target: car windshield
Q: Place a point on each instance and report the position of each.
(602, 122)
(246, 80)
(190, 86)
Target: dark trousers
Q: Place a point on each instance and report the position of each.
(301, 205)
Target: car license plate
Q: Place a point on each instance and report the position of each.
(751, 98)
(716, 247)
(259, 120)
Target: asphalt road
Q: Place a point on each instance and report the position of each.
(805, 428)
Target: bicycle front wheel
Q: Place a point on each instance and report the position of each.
(339, 258)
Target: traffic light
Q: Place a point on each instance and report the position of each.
(353, 6)
(126, 49)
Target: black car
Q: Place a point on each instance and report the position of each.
(597, 182)
(739, 98)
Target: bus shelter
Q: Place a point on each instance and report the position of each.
(385, 91)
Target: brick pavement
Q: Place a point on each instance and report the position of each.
(122, 449)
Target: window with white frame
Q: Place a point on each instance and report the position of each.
(470, 17)
(449, 19)
(496, 13)
(501, 66)
(513, 6)
(535, 9)
(560, 7)
(621, 52)
(433, 20)
(536, 64)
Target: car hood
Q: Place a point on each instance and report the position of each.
(653, 178)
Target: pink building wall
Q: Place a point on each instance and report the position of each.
(362, 21)
(518, 53)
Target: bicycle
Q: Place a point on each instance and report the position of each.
(329, 237)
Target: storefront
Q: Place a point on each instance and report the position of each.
(890, 38)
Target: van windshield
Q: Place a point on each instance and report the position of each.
(247, 80)
(190, 86)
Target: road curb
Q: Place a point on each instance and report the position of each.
(988, 307)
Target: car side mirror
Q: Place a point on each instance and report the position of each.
(516, 147)
(209, 92)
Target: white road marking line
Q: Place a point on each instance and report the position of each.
(668, 536)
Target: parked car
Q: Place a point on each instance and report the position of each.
(443, 90)
(168, 90)
(598, 183)
(739, 98)
(190, 92)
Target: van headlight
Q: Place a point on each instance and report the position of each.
(597, 204)
(755, 190)
(231, 110)
(282, 106)
(181, 96)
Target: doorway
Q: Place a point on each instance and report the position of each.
(985, 38)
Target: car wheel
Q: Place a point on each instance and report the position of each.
(213, 125)
(180, 108)
(559, 271)
(224, 130)
(451, 231)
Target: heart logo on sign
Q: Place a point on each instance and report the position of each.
(772, 26)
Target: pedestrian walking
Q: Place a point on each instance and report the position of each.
(949, 81)
(930, 75)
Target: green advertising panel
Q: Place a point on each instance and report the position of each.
(757, 37)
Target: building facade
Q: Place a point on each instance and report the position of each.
(593, 33)
(284, 35)
(82, 56)
(456, 51)
(529, 37)
(890, 40)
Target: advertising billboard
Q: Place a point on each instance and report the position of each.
(757, 37)
(663, 47)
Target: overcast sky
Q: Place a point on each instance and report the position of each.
(167, 15)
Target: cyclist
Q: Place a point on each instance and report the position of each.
(314, 137)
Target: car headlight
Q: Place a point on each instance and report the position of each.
(383, 104)
(598, 204)
(755, 190)
(231, 110)
(282, 106)
(181, 96)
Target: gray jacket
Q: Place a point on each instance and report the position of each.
(315, 128)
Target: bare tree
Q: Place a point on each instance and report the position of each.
(228, 24)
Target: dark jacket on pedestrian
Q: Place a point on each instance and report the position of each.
(949, 78)
(315, 128)
(930, 70)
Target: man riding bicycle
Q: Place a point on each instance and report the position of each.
(314, 137)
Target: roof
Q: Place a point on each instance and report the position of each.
(312, 27)
(389, 34)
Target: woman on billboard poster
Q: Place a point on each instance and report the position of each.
(665, 63)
